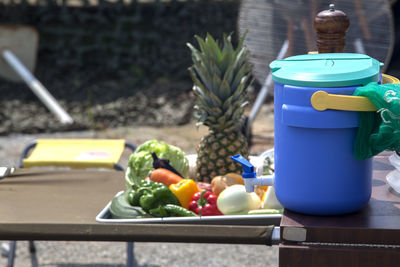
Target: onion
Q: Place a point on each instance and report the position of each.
(235, 200)
(255, 201)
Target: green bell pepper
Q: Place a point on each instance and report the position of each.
(151, 195)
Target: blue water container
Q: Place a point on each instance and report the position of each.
(315, 170)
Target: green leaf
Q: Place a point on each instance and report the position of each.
(242, 72)
(211, 111)
(201, 97)
(202, 44)
(214, 47)
(200, 72)
(237, 113)
(241, 40)
(199, 58)
(213, 69)
(228, 47)
(224, 90)
(211, 120)
(206, 96)
(228, 75)
(202, 118)
(195, 53)
(228, 113)
(225, 63)
(237, 95)
(216, 83)
(215, 111)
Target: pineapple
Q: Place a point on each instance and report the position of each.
(221, 76)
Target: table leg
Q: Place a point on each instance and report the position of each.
(11, 253)
(333, 256)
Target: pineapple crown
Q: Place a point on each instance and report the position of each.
(221, 76)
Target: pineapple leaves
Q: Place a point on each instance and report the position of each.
(213, 46)
(241, 73)
(228, 76)
(200, 119)
(220, 74)
(197, 71)
(203, 46)
(207, 98)
(238, 94)
(224, 90)
(227, 54)
(196, 56)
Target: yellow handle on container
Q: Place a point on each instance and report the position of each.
(389, 79)
(321, 100)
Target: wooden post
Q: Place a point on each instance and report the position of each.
(331, 26)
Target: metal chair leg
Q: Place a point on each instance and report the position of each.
(32, 251)
(32, 247)
(11, 253)
(130, 256)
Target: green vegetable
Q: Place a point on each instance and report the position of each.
(151, 195)
(170, 210)
(265, 211)
(121, 209)
(133, 197)
(141, 161)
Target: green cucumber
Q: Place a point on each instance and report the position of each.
(171, 210)
(265, 211)
(121, 209)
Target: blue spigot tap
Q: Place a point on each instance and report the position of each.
(248, 168)
(249, 175)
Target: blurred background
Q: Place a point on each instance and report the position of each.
(124, 62)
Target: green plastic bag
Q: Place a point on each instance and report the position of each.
(380, 130)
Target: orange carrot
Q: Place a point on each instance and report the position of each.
(165, 176)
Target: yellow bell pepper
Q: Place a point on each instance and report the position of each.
(184, 190)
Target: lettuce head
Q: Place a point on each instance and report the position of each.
(141, 161)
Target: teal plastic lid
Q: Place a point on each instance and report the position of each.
(326, 70)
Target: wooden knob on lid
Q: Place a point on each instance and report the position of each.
(331, 26)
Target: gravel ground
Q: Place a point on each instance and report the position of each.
(113, 254)
(97, 106)
(107, 254)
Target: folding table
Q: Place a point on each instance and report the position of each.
(38, 204)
